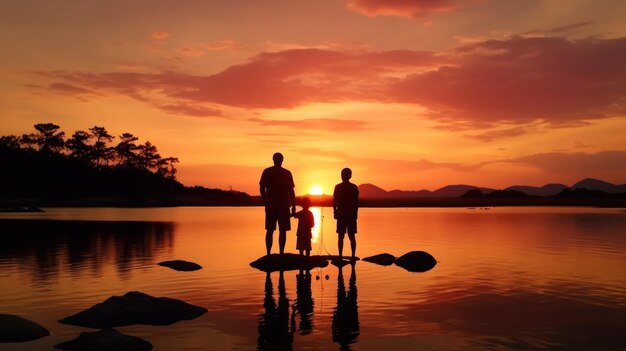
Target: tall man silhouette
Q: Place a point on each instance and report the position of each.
(345, 208)
(276, 187)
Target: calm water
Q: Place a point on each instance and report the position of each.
(507, 278)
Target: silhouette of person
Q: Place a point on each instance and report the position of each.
(345, 324)
(306, 222)
(345, 209)
(274, 326)
(276, 187)
(304, 301)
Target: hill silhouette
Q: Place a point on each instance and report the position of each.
(371, 191)
(600, 185)
(546, 190)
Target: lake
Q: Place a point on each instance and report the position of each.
(525, 278)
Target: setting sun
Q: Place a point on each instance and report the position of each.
(316, 190)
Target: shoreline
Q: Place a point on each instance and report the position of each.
(320, 201)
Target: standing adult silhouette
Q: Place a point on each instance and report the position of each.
(276, 187)
(345, 209)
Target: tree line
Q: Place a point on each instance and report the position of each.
(94, 148)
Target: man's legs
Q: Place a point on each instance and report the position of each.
(352, 238)
(282, 240)
(340, 243)
(269, 238)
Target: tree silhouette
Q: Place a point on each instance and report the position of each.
(49, 139)
(78, 145)
(92, 149)
(126, 151)
(165, 167)
(101, 153)
(9, 142)
(148, 156)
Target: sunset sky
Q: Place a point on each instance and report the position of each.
(411, 94)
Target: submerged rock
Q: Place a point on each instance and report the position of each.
(416, 261)
(17, 329)
(134, 308)
(180, 265)
(105, 340)
(288, 262)
(384, 259)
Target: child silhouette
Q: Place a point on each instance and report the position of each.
(306, 222)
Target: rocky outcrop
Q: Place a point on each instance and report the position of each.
(416, 261)
(383, 259)
(134, 308)
(17, 329)
(105, 340)
(289, 262)
(180, 265)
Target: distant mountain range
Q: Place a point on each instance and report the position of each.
(371, 191)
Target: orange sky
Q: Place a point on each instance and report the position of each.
(410, 94)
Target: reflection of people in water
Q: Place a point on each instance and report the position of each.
(346, 315)
(274, 328)
(304, 302)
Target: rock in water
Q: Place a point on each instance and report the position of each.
(288, 262)
(180, 265)
(134, 308)
(416, 261)
(105, 340)
(384, 259)
(17, 329)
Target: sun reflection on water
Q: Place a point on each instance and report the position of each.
(316, 231)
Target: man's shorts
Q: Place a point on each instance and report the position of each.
(277, 214)
(344, 225)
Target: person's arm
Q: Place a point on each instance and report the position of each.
(262, 186)
(356, 201)
(335, 203)
(292, 194)
(292, 197)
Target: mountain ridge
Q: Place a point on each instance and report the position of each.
(371, 191)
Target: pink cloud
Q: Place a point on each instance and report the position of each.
(327, 124)
(160, 35)
(192, 110)
(400, 8)
(191, 51)
(524, 79)
(221, 45)
(554, 82)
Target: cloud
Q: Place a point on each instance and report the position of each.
(191, 110)
(524, 79)
(400, 8)
(202, 49)
(283, 79)
(550, 81)
(499, 134)
(327, 124)
(160, 35)
(69, 89)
